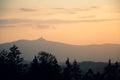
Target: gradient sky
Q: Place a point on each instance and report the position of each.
(80, 22)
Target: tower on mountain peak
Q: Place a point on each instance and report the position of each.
(42, 39)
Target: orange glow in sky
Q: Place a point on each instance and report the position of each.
(78, 22)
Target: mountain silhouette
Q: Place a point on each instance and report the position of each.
(101, 52)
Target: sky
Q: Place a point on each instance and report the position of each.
(79, 22)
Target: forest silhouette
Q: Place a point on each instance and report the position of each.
(45, 66)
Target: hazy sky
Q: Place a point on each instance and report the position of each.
(70, 21)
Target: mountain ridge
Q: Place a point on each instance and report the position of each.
(95, 52)
(43, 39)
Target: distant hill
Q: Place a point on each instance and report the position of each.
(95, 66)
(100, 53)
(86, 65)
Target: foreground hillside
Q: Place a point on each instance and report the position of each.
(45, 66)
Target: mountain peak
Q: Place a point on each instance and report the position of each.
(41, 39)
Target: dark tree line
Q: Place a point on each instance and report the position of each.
(45, 67)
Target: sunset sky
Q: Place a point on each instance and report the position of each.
(79, 22)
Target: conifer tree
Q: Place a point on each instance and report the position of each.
(76, 72)
(12, 63)
(89, 75)
(67, 74)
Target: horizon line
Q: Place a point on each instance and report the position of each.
(42, 38)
